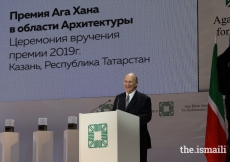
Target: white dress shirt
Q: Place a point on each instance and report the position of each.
(131, 95)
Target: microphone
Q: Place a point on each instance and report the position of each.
(117, 102)
(99, 106)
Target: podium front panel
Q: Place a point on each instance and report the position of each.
(109, 137)
(98, 137)
(128, 137)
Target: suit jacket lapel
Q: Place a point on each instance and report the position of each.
(132, 102)
(122, 102)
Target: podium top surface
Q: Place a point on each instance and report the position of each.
(9, 133)
(117, 111)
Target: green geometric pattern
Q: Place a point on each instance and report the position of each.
(228, 3)
(162, 107)
(106, 107)
(102, 129)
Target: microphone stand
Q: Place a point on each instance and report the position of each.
(99, 106)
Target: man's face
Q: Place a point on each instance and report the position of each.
(130, 83)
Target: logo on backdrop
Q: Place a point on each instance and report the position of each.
(228, 3)
(166, 108)
(194, 107)
(98, 135)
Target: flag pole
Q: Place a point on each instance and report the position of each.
(215, 125)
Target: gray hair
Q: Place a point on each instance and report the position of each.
(136, 78)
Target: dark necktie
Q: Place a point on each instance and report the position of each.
(127, 101)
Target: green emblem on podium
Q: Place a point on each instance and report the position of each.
(98, 135)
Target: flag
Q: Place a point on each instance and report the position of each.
(215, 126)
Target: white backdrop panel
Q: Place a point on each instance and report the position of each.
(213, 19)
(156, 34)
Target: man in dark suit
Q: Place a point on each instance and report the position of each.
(138, 104)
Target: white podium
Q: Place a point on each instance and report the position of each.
(9, 147)
(109, 137)
(43, 146)
(71, 146)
